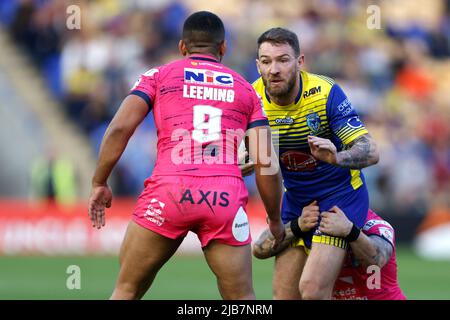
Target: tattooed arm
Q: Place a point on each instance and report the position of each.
(369, 250)
(372, 250)
(362, 152)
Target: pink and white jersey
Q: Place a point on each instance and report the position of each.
(354, 282)
(202, 110)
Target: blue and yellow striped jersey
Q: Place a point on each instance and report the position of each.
(321, 109)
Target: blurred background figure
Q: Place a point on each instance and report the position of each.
(61, 87)
(53, 178)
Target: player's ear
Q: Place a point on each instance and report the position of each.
(301, 60)
(257, 66)
(222, 48)
(182, 48)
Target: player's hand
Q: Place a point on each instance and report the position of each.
(335, 223)
(277, 230)
(309, 217)
(263, 247)
(323, 149)
(246, 167)
(101, 197)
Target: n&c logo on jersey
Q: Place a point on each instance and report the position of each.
(313, 122)
(204, 76)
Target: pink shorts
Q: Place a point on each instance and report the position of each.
(211, 207)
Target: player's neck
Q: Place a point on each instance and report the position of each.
(205, 53)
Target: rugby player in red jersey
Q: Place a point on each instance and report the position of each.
(369, 271)
(202, 111)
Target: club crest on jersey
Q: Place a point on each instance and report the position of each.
(203, 76)
(313, 122)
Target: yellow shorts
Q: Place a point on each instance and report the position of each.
(330, 240)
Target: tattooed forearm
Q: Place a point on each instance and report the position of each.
(383, 251)
(362, 153)
(371, 250)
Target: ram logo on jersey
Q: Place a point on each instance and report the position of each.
(312, 91)
(203, 76)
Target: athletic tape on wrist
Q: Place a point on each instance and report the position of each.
(353, 235)
(296, 231)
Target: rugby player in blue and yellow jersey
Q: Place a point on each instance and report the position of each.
(322, 146)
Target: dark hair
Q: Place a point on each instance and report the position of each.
(203, 29)
(280, 36)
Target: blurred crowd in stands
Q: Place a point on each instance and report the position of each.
(397, 77)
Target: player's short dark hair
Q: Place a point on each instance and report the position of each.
(203, 29)
(280, 36)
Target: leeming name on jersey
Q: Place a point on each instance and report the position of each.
(322, 109)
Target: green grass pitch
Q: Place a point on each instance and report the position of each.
(183, 277)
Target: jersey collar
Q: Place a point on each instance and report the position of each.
(203, 57)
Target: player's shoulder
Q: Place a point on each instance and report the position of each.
(156, 71)
(240, 82)
(258, 85)
(375, 220)
(315, 80)
(239, 78)
(376, 225)
(171, 65)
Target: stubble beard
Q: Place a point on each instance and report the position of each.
(284, 91)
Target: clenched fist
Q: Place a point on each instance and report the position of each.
(323, 149)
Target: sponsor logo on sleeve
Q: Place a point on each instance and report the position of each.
(369, 224)
(148, 73)
(345, 107)
(386, 233)
(151, 72)
(135, 84)
(354, 122)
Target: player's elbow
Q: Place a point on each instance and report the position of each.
(375, 154)
(116, 130)
(267, 166)
(375, 259)
(368, 261)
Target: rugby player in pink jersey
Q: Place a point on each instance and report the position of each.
(202, 110)
(369, 271)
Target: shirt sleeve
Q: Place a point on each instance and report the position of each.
(257, 115)
(145, 87)
(342, 117)
(381, 229)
